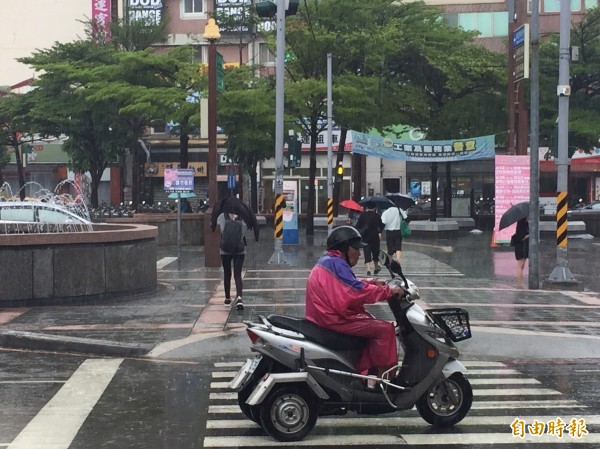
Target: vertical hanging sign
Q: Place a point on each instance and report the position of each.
(101, 13)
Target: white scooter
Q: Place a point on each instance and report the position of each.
(303, 371)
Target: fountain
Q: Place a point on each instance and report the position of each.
(63, 262)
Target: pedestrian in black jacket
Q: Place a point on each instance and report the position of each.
(370, 226)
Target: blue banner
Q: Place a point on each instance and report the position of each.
(424, 150)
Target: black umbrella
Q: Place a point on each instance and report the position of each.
(380, 202)
(514, 214)
(401, 200)
(234, 205)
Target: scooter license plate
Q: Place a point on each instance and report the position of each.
(245, 372)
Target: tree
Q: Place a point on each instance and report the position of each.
(246, 114)
(61, 106)
(15, 131)
(584, 103)
(103, 97)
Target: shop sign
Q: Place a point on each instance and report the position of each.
(148, 11)
(157, 169)
(234, 15)
(424, 150)
(179, 180)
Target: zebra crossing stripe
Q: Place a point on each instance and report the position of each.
(398, 421)
(57, 423)
(374, 440)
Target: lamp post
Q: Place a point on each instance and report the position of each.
(211, 248)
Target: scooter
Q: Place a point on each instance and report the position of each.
(303, 371)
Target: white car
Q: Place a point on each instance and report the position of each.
(38, 213)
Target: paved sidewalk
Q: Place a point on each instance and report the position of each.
(188, 306)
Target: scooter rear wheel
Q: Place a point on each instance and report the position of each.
(446, 403)
(289, 412)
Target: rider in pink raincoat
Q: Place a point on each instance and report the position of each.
(335, 299)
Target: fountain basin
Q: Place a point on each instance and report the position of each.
(114, 260)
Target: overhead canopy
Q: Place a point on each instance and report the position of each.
(423, 150)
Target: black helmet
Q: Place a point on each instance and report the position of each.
(344, 236)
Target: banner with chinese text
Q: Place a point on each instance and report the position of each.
(512, 187)
(423, 150)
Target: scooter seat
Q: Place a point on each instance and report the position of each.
(317, 334)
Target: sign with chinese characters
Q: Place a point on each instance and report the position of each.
(512, 187)
(423, 150)
(233, 16)
(148, 11)
(179, 180)
(520, 43)
(157, 169)
(101, 19)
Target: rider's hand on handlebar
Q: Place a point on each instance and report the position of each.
(397, 291)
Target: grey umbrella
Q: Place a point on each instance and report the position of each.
(514, 214)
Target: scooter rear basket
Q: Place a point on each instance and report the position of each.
(454, 321)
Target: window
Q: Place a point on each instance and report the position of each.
(16, 214)
(589, 4)
(266, 56)
(554, 5)
(488, 24)
(193, 7)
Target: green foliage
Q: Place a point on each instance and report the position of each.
(584, 103)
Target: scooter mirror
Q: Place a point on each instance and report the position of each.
(384, 259)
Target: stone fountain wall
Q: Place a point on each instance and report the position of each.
(112, 261)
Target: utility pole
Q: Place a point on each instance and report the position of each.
(561, 273)
(329, 147)
(278, 256)
(534, 144)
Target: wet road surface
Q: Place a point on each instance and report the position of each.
(533, 358)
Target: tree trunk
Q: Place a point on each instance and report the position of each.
(20, 172)
(339, 158)
(96, 177)
(253, 188)
(135, 175)
(433, 201)
(312, 171)
(184, 153)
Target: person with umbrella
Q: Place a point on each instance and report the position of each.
(233, 218)
(521, 241)
(370, 226)
(518, 213)
(392, 219)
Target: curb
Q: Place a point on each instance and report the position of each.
(59, 343)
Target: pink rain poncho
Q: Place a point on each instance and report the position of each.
(335, 299)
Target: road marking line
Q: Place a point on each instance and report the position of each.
(164, 262)
(398, 421)
(56, 425)
(310, 440)
(32, 381)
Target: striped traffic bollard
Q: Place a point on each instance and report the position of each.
(279, 216)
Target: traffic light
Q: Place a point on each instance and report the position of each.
(339, 172)
(294, 152)
(267, 8)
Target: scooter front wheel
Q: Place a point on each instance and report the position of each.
(446, 403)
(289, 413)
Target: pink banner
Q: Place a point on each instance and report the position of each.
(101, 19)
(512, 187)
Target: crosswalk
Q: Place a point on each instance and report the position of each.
(508, 409)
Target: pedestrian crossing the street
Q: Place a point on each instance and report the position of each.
(509, 408)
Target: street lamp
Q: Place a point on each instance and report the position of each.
(211, 248)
